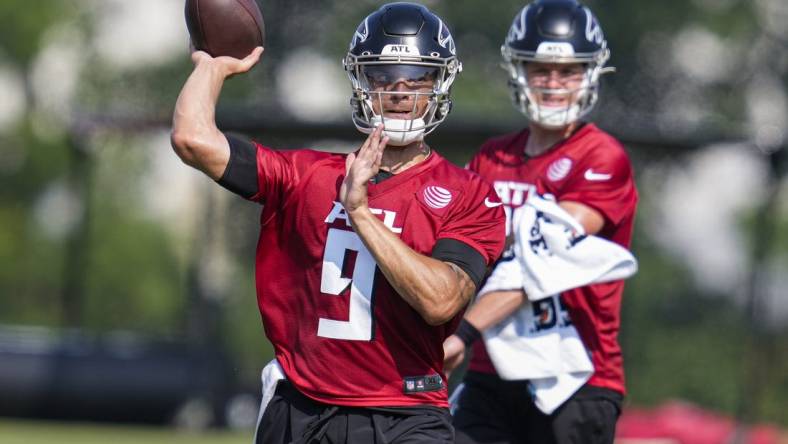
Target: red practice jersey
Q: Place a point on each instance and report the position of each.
(592, 168)
(340, 331)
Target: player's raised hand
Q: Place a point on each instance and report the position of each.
(453, 353)
(229, 66)
(360, 167)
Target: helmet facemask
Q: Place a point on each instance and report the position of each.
(527, 98)
(408, 95)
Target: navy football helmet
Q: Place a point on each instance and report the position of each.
(401, 62)
(555, 31)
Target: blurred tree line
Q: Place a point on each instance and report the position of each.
(85, 243)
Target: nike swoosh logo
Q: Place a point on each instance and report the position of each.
(489, 204)
(591, 175)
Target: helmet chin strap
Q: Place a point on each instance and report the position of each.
(552, 116)
(399, 131)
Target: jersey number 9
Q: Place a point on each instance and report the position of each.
(359, 325)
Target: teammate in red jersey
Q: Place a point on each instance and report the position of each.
(364, 261)
(555, 52)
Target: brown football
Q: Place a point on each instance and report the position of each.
(225, 27)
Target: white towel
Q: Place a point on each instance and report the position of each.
(553, 254)
(538, 342)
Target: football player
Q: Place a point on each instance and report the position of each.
(555, 52)
(364, 260)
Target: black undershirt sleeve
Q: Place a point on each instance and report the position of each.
(240, 176)
(462, 255)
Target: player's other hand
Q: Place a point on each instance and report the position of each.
(453, 353)
(360, 167)
(228, 66)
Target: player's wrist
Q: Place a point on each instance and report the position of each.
(358, 211)
(213, 67)
(467, 333)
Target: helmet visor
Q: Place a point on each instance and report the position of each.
(390, 77)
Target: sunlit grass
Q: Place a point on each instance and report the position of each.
(14, 431)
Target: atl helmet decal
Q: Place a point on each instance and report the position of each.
(593, 30)
(517, 31)
(559, 169)
(445, 39)
(361, 34)
(437, 197)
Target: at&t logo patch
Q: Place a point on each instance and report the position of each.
(437, 197)
(559, 169)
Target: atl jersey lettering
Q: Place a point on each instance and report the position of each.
(340, 331)
(591, 168)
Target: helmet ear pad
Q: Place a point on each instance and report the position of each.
(444, 108)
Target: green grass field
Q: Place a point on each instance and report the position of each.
(14, 431)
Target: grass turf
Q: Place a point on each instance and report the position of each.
(16, 431)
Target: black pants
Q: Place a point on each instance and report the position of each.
(493, 411)
(293, 418)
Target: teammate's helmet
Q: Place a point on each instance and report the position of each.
(555, 31)
(401, 43)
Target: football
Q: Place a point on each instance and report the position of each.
(225, 27)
